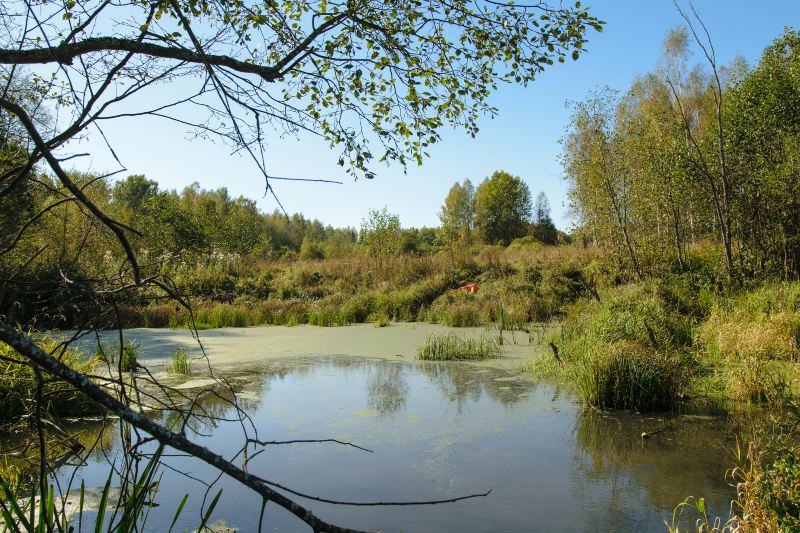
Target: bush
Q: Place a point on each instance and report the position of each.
(777, 489)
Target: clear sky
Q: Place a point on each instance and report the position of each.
(522, 140)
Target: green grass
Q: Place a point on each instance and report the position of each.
(532, 285)
(180, 362)
(18, 385)
(43, 509)
(625, 375)
(451, 347)
(629, 351)
(763, 322)
(130, 355)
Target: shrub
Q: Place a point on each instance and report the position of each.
(450, 347)
(777, 489)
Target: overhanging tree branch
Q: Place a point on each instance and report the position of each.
(65, 54)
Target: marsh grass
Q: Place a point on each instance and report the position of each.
(626, 375)
(531, 284)
(451, 347)
(630, 351)
(764, 322)
(42, 509)
(757, 380)
(18, 385)
(180, 362)
(129, 356)
(767, 499)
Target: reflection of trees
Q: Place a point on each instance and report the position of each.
(387, 388)
(67, 444)
(686, 456)
(460, 382)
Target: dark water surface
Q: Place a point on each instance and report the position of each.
(443, 430)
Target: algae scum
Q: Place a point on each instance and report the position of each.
(443, 430)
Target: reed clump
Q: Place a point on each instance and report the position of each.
(629, 351)
(126, 359)
(451, 347)
(180, 362)
(626, 375)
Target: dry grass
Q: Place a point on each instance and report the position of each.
(764, 322)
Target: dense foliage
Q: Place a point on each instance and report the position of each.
(694, 158)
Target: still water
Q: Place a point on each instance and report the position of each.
(442, 430)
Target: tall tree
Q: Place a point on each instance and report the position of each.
(457, 214)
(381, 234)
(600, 185)
(543, 228)
(502, 208)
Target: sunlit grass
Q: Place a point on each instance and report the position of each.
(451, 347)
(180, 362)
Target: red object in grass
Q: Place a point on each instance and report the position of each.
(471, 288)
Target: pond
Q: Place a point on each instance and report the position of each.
(443, 430)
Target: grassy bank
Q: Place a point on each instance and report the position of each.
(646, 346)
(529, 284)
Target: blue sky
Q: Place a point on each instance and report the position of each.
(522, 140)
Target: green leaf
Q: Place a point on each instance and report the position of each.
(178, 512)
(101, 510)
(210, 510)
(11, 500)
(80, 507)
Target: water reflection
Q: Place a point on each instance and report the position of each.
(679, 457)
(387, 387)
(461, 383)
(441, 430)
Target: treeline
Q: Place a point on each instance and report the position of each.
(694, 166)
(202, 221)
(197, 222)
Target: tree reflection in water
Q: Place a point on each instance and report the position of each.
(683, 458)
